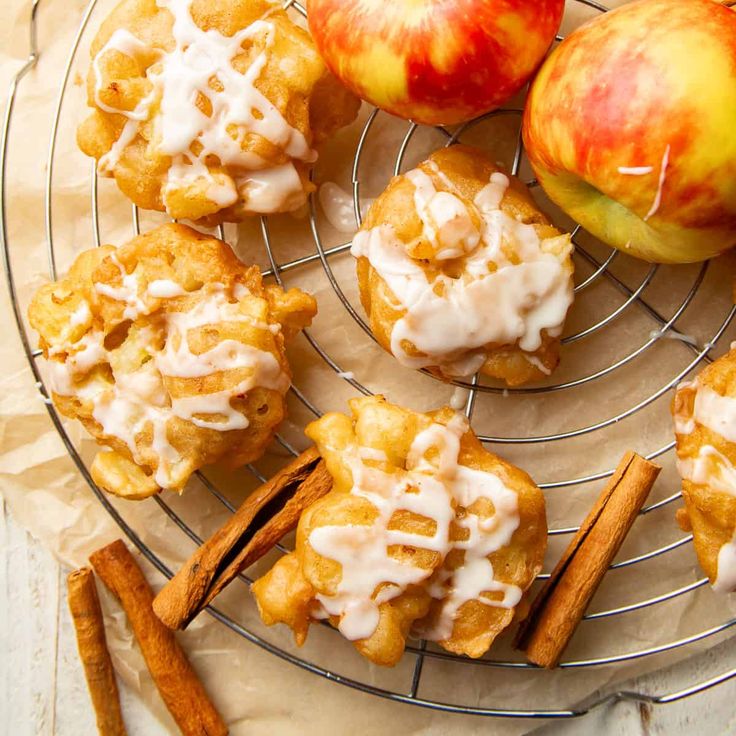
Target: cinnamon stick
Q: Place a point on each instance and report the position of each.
(177, 682)
(560, 605)
(93, 652)
(266, 515)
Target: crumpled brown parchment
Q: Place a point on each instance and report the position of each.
(256, 691)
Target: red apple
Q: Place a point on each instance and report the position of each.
(630, 127)
(434, 61)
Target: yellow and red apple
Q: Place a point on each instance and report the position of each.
(434, 61)
(630, 127)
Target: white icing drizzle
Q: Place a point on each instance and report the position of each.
(201, 66)
(711, 467)
(165, 289)
(671, 334)
(177, 360)
(126, 43)
(240, 290)
(451, 320)
(84, 354)
(273, 189)
(446, 221)
(370, 576)
(635, 170)
(490, 197)
(533, 360)
(127, 292)
(133, 402)
(660, 185)
(446, 181)
(431, 489)
(372, 453)
(715, 411)
(81, 315)
(476, 575)
(715, 470)
(82, 357)
(137, 400)
(459, 398)
(337, 204)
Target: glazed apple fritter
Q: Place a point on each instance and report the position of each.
(171, 353)
(460, 272)
(704, 411)
(209, 109)
(424, 531)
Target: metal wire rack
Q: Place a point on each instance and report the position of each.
(599, 270)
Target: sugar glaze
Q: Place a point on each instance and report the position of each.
(200, 67)
(495, 300)
(435, 486)
(710, 467)
(143, 398)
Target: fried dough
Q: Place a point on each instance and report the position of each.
(209, 109)
(704, 411)
(424, 531)
(460, 272)
(171, 353)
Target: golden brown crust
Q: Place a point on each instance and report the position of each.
(709, 513)
(201, 265)
(294, 79)
(287, 593)
(518, 563)
(469, 170)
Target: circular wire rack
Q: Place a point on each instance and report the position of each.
(597, 266)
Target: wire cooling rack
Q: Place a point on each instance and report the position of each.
(597, 267)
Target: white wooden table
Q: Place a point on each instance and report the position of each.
(42, 688)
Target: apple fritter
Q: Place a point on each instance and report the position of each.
(209, 109)
(460, 272)
(704, 412)
(171, 353)
(424, 531)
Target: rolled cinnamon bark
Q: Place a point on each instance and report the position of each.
(93, 652)
(176, 680)
(265, 516)
(558, 608)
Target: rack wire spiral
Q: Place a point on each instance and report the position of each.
(600, 268)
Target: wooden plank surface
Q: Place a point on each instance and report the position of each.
(42, 687)
(43, 693)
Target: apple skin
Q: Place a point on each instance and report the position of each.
(651, 84)
(434, 61)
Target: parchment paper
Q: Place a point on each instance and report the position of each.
(258, 692)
